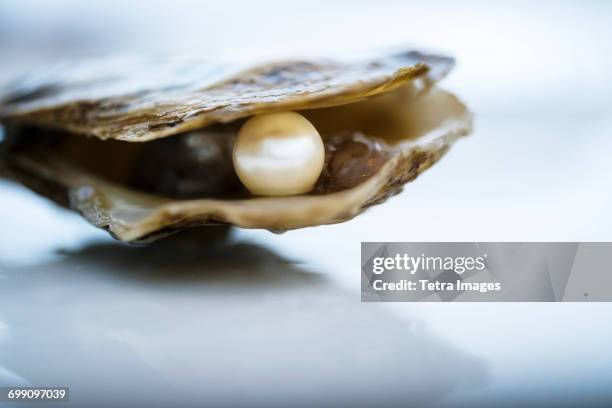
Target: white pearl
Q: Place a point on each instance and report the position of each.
(278, 154)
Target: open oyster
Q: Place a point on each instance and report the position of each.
(147, 148)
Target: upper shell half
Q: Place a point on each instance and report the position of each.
(382, 121)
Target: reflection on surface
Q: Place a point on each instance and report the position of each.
(173, 321)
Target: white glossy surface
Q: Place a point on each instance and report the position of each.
(273, 317)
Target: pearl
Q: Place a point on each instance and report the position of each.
(278, 154)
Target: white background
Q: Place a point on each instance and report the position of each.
(272, 318)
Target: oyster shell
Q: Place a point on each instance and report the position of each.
(382, 120)
(138, 101)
